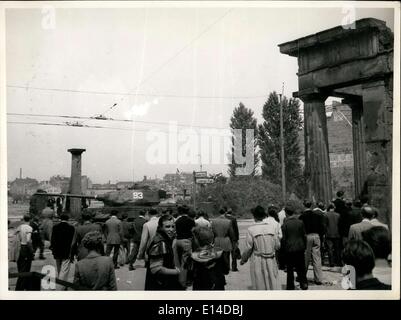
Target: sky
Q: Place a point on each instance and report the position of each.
(157, 66)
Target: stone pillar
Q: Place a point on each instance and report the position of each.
(377, 114)
(75, 182)
(358, 142)
(317, 161)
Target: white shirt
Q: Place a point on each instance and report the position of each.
(148, 232)
(281, 216)
(25, 232)
(202, 222)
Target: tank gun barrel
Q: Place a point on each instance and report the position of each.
(71, 195)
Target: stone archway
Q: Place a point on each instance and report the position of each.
(355, 64)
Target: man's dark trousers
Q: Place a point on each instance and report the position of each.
(116, 248)
(296, 260)
(24, 265)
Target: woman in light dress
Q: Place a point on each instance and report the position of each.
(261, 245)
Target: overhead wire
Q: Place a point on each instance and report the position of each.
(111, 119)
(112, 128)
(159, 95)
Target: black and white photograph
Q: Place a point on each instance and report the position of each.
(200, 149)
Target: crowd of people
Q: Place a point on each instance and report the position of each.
(186, 249)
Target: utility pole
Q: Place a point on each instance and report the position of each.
(200, 161)
(194, 191)
(282, 146)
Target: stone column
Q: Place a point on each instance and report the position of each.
(377, 114)
(317, 161)
(75, 182)
(358, 142)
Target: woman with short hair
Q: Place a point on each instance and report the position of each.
(94, 272)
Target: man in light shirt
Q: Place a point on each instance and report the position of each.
(201, 221)
(24, 261)
(148, 232)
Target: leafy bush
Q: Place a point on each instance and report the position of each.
(241, 194)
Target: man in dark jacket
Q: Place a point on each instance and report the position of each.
(82, 230)
(61, 246)
(315, 229)
(229, 215)
(184, 225)
(294, 245)
(37, 241)
(136, 231)
(114, 236)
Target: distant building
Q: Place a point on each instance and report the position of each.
(48, 187)
(61, 182)
(23, 188)
(124, 184)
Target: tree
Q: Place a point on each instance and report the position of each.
(243, 119)
(241, 195)
(269, 142)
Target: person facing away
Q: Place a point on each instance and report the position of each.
(273, 218)
(314, 228)
(201, 221)
(375, 220)
(230, 216)
(137, 227)
(358, 254)
(333, 238)
(126, 234)
(162, 272)
(379, 240)
(24, 260)
(339, 203)
(114, 236)
(81, 230)
(223, 236)
(261, 245)
(94, 272)
(355, 231)
(352, 215)
(37, 241)
(61, 245)
(294, 245)
(208, 263)
(148, 232)
(46, 224)
(184, 226)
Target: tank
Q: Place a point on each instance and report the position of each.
(128, 201)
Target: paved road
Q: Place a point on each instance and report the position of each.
(134, 280)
